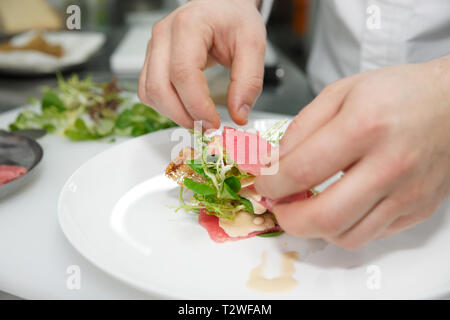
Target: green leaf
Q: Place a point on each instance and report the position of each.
(77, 135)
(79, 124)
(105, 127)
(270, 234)
(80, 131)
(228, 193)
(51, 99)
(143, 110)
(142, 120)
(122, 132)
(138, 130)
(49, 127)
(125, 119)
(247, 204)
(197, 187)
(197, 167)
(233, 183)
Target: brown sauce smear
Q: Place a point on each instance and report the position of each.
(285, 282)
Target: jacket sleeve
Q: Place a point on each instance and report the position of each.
(265, 9)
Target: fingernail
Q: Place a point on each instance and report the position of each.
(244, 110)
(207, 124)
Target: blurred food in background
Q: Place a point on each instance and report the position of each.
(80, 109)
(37, 52)
(9, 173)
(37, 43)
(21, 15)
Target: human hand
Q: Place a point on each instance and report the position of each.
(388, 130)
(194, 37)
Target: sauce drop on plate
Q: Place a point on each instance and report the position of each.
(285, 282)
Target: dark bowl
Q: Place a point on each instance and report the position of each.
(22, 151)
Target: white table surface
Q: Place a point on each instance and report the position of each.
(34, 253)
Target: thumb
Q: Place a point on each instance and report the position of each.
(247, 75)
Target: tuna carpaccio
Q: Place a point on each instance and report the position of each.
(250, 153)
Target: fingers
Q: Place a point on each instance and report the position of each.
(370, 227)
(158, 90)
(405, 222)
(316, 114)
(336, 209)
(142, 93)
(247, 74)
(193, 38)
(190, 44)
(325, 153)
(389, 217)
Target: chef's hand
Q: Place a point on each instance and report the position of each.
(388, 130)
(192, 38)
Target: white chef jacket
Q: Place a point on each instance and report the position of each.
(352, 36)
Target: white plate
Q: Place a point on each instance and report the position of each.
(78, 48)
(114, 212)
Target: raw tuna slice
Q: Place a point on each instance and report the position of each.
(248, 150)
(9, 173)
(217, 234)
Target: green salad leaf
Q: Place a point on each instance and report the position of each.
(233, 183)
(197, 167)
(270, 234)
(199, 188)
(218, 193)
(51, 99)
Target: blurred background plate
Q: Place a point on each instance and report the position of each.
(77, 49)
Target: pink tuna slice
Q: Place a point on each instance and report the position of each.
(216, 233)
(9, 173)
(248, 150)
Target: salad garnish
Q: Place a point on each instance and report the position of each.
(218, 190)
(80, 109)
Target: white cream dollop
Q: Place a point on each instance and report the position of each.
(243, 224)
(254, 197)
